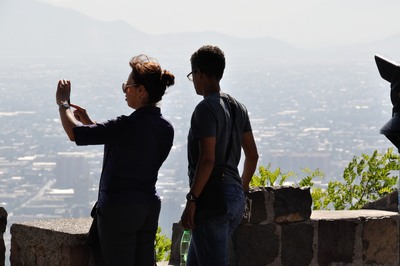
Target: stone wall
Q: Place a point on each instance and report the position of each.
(279, 229)
(55, 242)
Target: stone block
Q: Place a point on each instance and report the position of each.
(387, 203)
(51, 242)
(257, 203)
(177, 231)
(380, 242)
(255, 245)
(277, 204)
(297, 243)
(291, 204)
(336, 242)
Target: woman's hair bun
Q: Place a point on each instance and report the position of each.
(167, 78)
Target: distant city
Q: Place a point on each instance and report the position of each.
(314, 116)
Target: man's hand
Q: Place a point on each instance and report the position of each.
(187, 217)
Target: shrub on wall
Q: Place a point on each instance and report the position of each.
(366, 178)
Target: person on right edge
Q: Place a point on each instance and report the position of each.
(220, 129)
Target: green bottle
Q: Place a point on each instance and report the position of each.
(185, 241)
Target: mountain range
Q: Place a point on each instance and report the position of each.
(32, 29)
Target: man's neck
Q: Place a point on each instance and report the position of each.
(211, 88)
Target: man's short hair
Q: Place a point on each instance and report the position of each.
(209, 60)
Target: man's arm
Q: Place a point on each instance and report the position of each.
(204, 166)
(251, 158)
(204, 169)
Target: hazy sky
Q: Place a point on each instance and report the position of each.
(298, 22)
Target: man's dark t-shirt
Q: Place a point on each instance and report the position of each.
(212, 118)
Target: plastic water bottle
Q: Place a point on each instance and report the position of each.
(185, 241)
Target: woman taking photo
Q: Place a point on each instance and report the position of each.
(135, 146)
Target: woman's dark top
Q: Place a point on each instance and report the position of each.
(135, 148)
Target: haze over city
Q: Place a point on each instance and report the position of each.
(304, 69)
(306, 23)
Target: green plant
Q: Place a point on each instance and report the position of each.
(163, 246)
(267, 177)
(366, 178)
(318, 195)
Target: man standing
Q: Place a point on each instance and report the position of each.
(220, 129)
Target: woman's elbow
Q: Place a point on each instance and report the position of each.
(71, 137)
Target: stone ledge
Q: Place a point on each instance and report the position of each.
(355, 214)
(359, 237)
(51, 242)
(362, 237)
(73, 226)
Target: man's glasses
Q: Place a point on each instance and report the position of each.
(190, 75)
(126, 86)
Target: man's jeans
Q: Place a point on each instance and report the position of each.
(210, 238)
